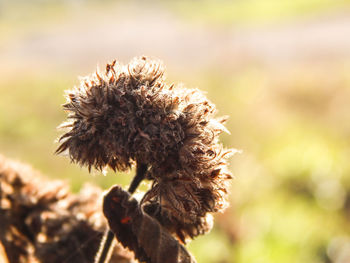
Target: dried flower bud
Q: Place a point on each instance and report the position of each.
(183, 231)
(187, 198)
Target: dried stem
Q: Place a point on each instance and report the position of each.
(104, 253)
(140, 175)
(106, 247)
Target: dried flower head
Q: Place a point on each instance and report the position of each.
(112, 117)
(41, 221)
(130, 114)
(180, 229)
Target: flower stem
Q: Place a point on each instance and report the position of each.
(106, 246)
(140, 175)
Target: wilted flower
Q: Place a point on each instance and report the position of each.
(131, 115)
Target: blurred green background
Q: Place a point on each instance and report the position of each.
(280, 69)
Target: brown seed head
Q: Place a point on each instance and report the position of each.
(130, 114)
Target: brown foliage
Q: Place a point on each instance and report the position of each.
(140, 232)
(41, 221)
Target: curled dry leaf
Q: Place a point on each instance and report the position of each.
(140, 232)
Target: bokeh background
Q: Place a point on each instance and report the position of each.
(280, 69)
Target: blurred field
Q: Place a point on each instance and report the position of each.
(280, 69)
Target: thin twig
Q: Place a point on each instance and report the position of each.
(106, 247)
